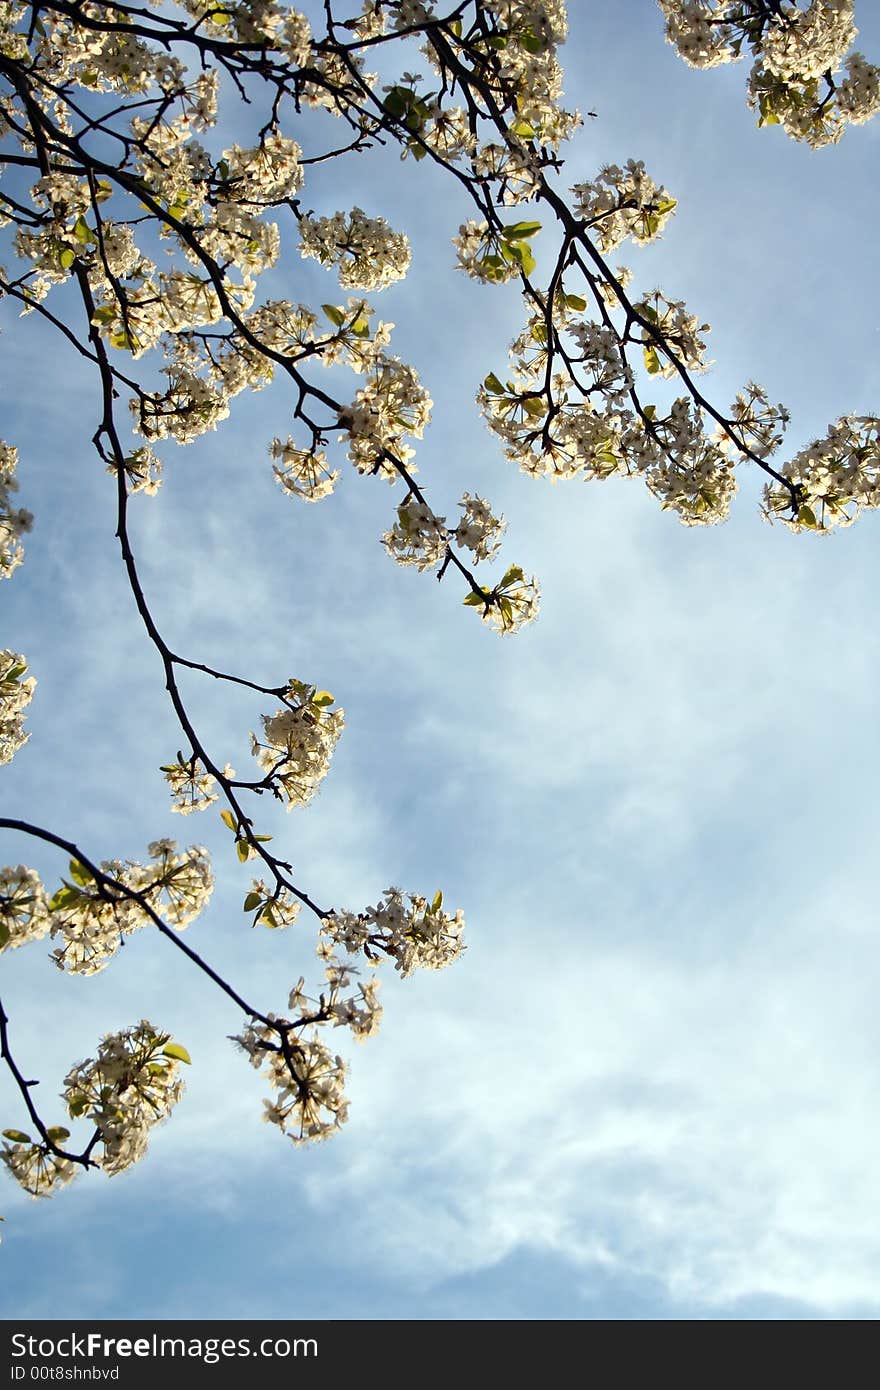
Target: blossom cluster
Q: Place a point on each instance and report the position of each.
(835, 478)
(14, 521)
(16, 693)
(192, 786)
(303, 472)
(298, 743)
(307, 1078)
(623, 202)
(368, 254)
(800, 55)
(90, 915)
(130, 1086)
(410, 930)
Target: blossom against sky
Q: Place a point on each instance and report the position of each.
(646, 1088)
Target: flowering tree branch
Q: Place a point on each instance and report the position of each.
(109, 156)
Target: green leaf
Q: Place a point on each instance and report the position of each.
(57, 1133)
(322, 698)
(437, 902)
(493, 266)
(243, 850)
(807, 517)
(67, 258)
(80, 874)
(473, 600)
(336, 316)
(228, 819)
(534, 407)
(83, 232)
(103, 190)
(518, 230)
(652, 361)
(523, 129)
(103, 315)
(531, 42)
(5, 935)
(397, 101)
(574, 301)
(361, 327)
(17, 1136)
(252, 901)
(268, 918)
(494, 385)
(77, 1104)
(15, 671)
(177, 1051)
(513, 576)
(64, 897)
(666, 205)
(520, 252)
(262, 839)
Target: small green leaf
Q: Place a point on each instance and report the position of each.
(83, 232)
(243, 850)
(268, 918)
(494, 385)
(262, 839)
(336, 316)
(807, 517)
(64, 897)
(513, 576)
(321, 697)
(77, 1104)
(534, 407)
(228, 819)
(57, 1133)
(574, 301)
(5, 935)
(80, 874)
(103, 315)
(652, 361)
(252, 902)
(177, 1051)
(17, 1136)
(15, 671)
(67, 258)
(437, 902)
(397, 101)
(518, 230)
(523, 129)
(531, 42)
(103, 190)
(473, 600)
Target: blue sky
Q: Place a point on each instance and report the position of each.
(648, 1090)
